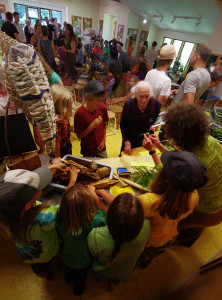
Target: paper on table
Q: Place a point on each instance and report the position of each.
(143, 153)
(142, 164)
(116, 190)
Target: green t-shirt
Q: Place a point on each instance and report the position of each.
(54, 78)
(210, 154)
(106, 51)
(101, 246)
(42, 240)
(75, 251)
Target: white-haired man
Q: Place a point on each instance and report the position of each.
(138, 115)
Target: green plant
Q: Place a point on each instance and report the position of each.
(217, 133)
(142, 175)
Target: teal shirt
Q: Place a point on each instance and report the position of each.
(106, 51)
(210, 154)
(101, 246)
(42, 239)
(54, 78)
(75, 251)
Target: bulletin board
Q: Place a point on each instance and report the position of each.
(77, 24)
(87, 26)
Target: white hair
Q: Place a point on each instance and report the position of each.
(142, 84)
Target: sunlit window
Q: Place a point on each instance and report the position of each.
(57, 14)
(22, 12)
(167, 41)
(185, 54)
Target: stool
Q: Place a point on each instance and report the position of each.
(77, 90)
(117, 109)
(79, 69)
(82, 82)
(111, 116)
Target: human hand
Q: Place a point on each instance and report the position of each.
(58, 166)
(155, 140)
(174, 92)
(127, 147)
(147, 143)
(152, 128)
(101, 145)
(73, 172)
(96, 122)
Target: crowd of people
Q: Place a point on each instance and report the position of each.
(184, 198)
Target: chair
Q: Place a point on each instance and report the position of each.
(79, 69)
(77, 91)
(111, 116)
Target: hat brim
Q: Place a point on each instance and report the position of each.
(45, 176)
(168, 57)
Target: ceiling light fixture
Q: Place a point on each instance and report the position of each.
(158, 16)
(145, 21)
(188, 18)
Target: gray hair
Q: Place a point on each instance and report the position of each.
(142, 84)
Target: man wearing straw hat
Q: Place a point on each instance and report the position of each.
(160, 83)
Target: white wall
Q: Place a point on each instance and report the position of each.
(117, 9)
(86, 8)
(108, 26)
(154, 35)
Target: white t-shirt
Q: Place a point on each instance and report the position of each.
(196, 82)
(21, 34)
(160, 83)
(132, 90)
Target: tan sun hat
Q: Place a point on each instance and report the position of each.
(167, 52)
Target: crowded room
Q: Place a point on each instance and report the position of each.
(110, 149)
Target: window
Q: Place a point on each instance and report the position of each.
(177, 44)
(33, 14)
(22, 12)
(57, 14)
(167, 41)
(44, 13)
(185, 53)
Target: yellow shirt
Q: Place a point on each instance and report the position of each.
(164, 229)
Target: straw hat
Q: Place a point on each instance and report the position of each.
(167, 52)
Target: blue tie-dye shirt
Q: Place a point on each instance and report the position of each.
(42, 240)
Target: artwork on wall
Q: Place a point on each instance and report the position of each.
(131, 32)
(100, 24)
(143, 35)
(77, 24)
(120, 33)
(87, 26)
(2, 14)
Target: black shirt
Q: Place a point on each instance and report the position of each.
(9, 29)
(28, 35)
(51, 28)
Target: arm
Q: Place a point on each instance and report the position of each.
(98, 202)
(73, 48)
(57, 147)
(92, 126)
(17, 37)
(106, 196)
(73, 176)
(163, 99)
(121, 44)
(102, 144)
(32, 41)
(189, 97)
(147, 144)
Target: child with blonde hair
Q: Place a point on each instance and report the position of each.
(77, 216)
(63, 100)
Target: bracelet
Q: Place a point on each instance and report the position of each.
(152, 152)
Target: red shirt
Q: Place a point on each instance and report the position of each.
(83, 118)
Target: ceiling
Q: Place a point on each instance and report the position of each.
(207, 10)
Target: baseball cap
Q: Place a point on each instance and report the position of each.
(17, 187)
(94, 87)
(167, 52)
(184, 170)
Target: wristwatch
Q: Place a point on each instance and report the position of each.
(152, 152)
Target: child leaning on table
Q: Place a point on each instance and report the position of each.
(77, 216)
(63, 100)
(30, 224)
(173, 196)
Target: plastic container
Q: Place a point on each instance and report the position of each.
(216, 114)
(83, 161)
(214, 126)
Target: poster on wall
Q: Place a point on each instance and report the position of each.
(133, 33)
(87, 26)
(2, 14)
(120, 33)
(77, 24)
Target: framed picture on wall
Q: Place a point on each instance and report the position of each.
(77, 24)
(120, 33)
(131, 32)
(87, 26)
(2, 14)
(101, 25)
